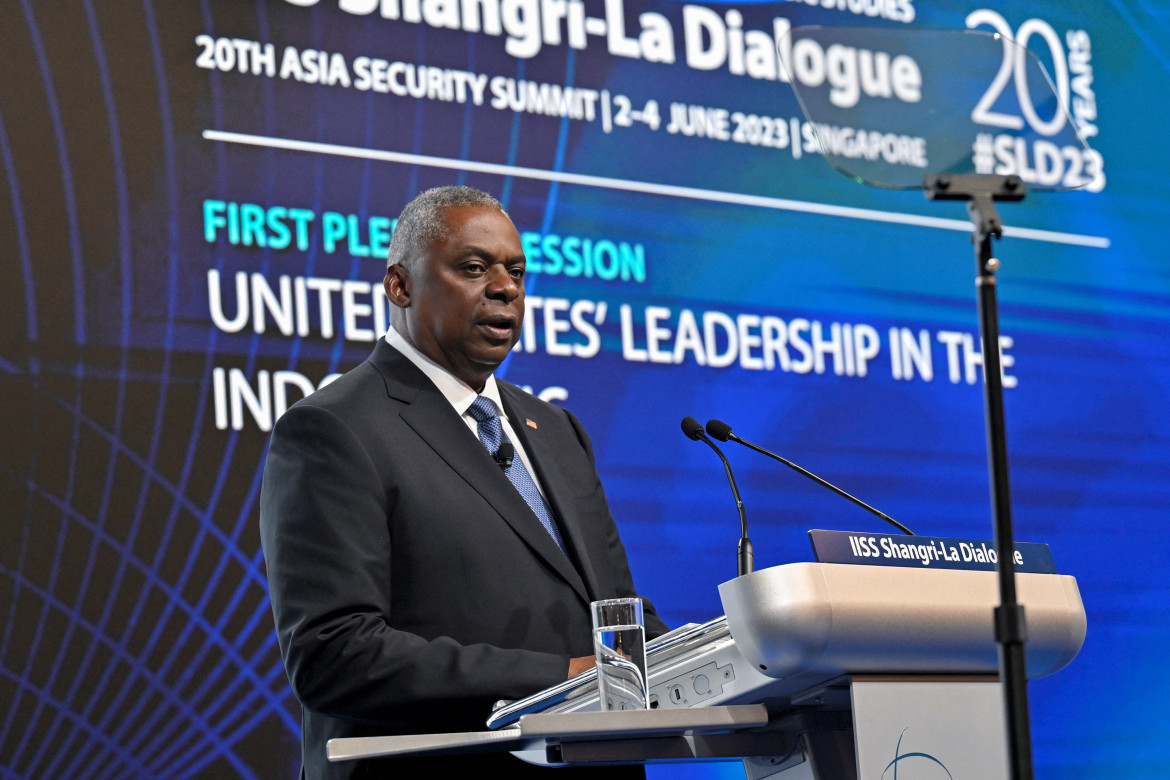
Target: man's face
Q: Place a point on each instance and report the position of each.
(462, 302)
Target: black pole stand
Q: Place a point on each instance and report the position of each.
(981, 191)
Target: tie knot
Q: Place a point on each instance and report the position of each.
(483, 409)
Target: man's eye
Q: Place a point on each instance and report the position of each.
(517, 273)
(475, 268)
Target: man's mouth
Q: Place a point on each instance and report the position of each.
(499, 327)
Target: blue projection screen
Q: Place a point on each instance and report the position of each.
(195, 204)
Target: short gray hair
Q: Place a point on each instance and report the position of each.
(421, 223)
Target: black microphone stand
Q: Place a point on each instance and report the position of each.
(745, 556)
(981, 191)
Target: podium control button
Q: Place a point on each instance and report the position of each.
(702, 685)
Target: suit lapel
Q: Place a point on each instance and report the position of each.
(552, 479)
(429, 414)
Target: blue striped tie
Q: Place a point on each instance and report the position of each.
(491, 433)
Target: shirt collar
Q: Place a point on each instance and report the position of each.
(457, 392)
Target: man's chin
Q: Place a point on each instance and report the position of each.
(495, 356)
(482, 363)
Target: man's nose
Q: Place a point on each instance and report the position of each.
(502, 285)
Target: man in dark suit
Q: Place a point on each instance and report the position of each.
(412, 583)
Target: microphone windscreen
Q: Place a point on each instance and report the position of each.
(718, 429)
(692, 428)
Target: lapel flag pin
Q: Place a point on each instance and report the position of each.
(530, 423)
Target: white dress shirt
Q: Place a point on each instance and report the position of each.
(461, 396)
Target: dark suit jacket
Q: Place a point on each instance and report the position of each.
(411, 584)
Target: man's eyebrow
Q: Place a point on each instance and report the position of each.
(476, 251)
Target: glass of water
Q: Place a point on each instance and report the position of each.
(619, 643)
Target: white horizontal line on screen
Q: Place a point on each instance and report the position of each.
(649, 188)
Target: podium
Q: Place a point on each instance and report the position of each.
(816, 671)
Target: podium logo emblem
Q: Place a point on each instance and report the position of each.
(905, 760)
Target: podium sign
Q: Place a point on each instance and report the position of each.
(925, 552)
(928, 729)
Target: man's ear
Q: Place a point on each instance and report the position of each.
(397, 286)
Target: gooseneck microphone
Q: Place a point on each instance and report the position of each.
(722, 431)
(505, 454)
(745, 557)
